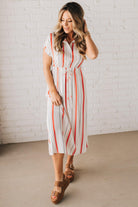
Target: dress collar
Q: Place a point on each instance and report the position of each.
(65, 40)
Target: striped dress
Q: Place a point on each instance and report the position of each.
(67, 123)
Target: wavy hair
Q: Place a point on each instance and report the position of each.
(77, 14)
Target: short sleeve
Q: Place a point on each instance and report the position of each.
(47, 45)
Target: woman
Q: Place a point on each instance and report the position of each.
(64, 51)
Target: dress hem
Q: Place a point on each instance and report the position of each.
(68, 153)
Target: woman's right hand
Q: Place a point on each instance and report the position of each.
(56, 98)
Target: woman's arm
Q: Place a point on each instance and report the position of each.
(47, 61)
(92, 50)
(54, 95)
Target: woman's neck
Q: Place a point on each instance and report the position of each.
(70, 36)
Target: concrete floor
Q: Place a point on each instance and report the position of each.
(106, 175)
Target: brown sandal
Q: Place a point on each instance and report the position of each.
(69, 171)
(58, 195)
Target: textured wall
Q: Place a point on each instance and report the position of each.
(112, 78)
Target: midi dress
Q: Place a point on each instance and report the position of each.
(67, 122)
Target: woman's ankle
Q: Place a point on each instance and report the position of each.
(59, 177)
(69, 162)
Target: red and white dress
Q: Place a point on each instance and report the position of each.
(67, 123)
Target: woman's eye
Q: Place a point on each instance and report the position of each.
(67, 21)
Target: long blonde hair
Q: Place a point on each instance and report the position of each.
(77, 13)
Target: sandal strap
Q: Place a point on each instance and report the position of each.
(71, 166)
(55, 193)
(69, 173)
(59, 183)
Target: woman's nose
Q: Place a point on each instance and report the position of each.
(66, 22)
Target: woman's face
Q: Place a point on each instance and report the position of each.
(67, 22)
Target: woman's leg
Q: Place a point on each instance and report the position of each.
(58, 168)
(70, 159)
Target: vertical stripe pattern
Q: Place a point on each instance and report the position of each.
(67, 123)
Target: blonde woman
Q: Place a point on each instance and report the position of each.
(64, 52)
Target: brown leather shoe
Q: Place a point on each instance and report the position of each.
(58, 196)
(69, 172)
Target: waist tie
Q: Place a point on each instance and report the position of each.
(65, 70)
